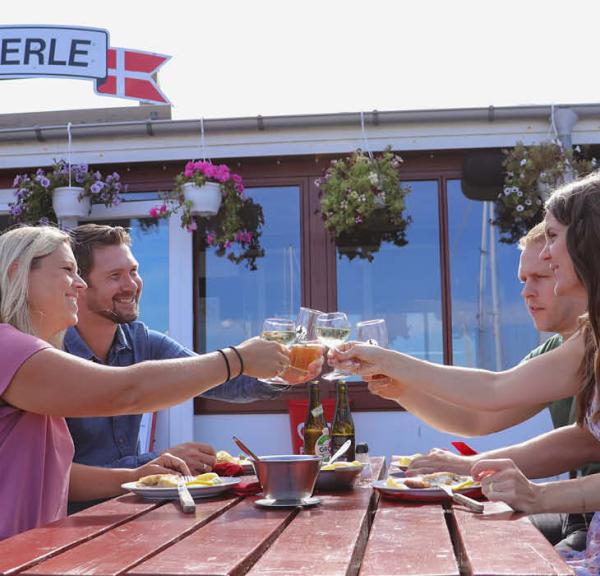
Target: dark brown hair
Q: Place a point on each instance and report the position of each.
(87, 237)
(577, 205)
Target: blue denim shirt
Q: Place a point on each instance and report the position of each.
(113, 441)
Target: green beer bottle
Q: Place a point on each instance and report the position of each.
(316, 432)
(343, 425)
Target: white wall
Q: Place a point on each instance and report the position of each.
(386, 432)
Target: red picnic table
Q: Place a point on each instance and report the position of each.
(350, 532)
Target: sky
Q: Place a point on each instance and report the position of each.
(233, 58)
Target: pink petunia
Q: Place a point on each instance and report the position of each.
(154, 212)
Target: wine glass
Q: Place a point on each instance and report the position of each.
(373, 332)
(305, 324)
(279, 330)
(332, 330)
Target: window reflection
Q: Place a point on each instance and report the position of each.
(237, 300)
(401, 284)
(490, 325)
(150, 246)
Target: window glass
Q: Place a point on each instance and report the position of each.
(237, 300)
(490, 325)
(402, 283)
(4, 222)
(150, 246)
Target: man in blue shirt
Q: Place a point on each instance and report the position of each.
(108, 332)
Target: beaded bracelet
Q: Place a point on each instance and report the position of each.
(226, 364)
(240, 359)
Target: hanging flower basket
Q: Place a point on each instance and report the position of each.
(532, 174)
(70, 202)
(363, 203)
(45, 196)
(231, 224)
(205, 199)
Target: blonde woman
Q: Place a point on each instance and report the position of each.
(40, 384)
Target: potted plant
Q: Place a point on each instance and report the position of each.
(363, 203)
(234, 230)
(47, 196)
(531, 174)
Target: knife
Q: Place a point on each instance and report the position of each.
(471, 504)
(185, 498)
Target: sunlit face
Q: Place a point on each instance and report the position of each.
(114, 285)
(556, 255)
(549, 312)
(53, 290)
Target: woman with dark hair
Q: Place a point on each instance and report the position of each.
(572, 251)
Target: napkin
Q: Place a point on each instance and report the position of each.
(227, 469)
(247, 488)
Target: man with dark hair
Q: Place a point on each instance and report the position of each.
(109, 332)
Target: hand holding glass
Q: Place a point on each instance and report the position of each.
(278, 330)
(373, 332)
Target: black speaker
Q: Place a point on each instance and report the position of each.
(483, 174)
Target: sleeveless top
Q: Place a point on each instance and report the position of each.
(587, 562)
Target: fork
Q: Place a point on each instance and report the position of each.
(185, 498)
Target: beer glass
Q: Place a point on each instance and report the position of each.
(373, 332)
(332, 330)
(305, 348)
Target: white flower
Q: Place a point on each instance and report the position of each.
(520, 208)
(373, 178)
(577, 149)
(523, 162)
(519, 193)
(507, 191)
(528, 202)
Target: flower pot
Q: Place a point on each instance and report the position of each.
(206, 199)
(66, 202)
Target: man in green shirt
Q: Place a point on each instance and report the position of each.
(549, 314)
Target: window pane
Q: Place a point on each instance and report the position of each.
(401, 284)
(150, 246)
(237, 299)
(490, 326)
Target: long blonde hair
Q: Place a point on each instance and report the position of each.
(25, 246)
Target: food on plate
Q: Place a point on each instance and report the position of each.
(405, 461)
(340, 465)
(426, 481)
(170, 480)
(159, 480)
(224, 456)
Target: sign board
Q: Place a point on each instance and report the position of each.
(74, 52)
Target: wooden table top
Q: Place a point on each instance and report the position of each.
(350, 532)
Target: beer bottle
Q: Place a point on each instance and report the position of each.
(343, 425)
(316, 432)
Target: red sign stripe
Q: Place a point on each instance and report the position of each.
(139, 62)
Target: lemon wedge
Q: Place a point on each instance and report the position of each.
(466, 484)
(404, 461)
(340, 465)
(393, 483)
(207, 479)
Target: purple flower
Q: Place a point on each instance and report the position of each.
(97, 187)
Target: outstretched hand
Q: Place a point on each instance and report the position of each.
(359, 358)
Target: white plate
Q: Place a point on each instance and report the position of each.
(422, 494)
(159, 493)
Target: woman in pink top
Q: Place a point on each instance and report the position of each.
(40, 384)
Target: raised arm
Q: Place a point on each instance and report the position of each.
(59, 384)
(551, 376)
(448, 417)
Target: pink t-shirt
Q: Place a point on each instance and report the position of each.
(35, 450)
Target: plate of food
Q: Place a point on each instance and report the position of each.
(225, 457)
(425, 488)
(164, 486)
(338, 476)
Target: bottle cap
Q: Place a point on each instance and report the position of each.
(362, 448)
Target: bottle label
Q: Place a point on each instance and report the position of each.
(318, 411)
(322, 445)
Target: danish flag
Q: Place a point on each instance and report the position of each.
(130, 74)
